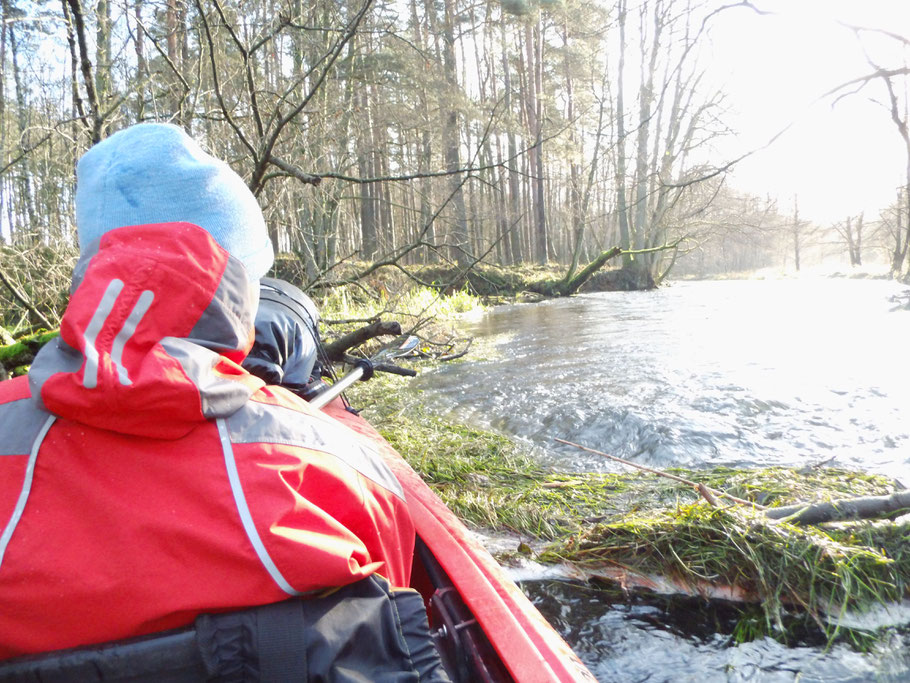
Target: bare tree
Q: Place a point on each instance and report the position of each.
(897, 104)
(851, 232)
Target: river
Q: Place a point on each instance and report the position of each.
(696, 374)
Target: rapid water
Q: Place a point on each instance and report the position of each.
(696, 374)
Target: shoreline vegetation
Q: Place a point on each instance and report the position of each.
(630, 529)
(644, 533)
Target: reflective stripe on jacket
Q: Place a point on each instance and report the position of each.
(146, 478)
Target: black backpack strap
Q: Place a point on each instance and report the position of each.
(364, 629)
(170, 657)
(266, 643)
(281, 642)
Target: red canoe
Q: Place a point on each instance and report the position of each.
(485, 628)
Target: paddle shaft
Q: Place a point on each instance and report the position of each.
(333, 390)
(364, 368)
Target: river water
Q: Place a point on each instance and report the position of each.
(696, 374)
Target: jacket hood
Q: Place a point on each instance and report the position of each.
(159, 318)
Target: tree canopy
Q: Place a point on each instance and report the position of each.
(403, 131)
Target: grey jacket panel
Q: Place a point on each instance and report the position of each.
(261, 423)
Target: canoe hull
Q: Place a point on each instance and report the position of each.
(528, 648)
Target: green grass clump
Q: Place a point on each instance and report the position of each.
(653, 526)
(786, 485)
(403, 303)
(781, 566)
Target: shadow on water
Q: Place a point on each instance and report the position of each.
(625, 637)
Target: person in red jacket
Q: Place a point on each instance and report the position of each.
(145, 476)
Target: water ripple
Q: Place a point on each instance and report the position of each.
(697, 374)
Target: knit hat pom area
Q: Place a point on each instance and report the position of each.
(156, 173)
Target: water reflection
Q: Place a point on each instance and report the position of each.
(696, 374)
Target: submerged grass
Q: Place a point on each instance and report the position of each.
(653, 526)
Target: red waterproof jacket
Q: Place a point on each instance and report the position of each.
(145, 477)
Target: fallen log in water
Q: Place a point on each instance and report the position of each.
(867, 507)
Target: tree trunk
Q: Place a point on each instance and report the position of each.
(453, 158)
(574, 189)
(533, 106)
(26, 190)
(641, 228)
(514, 214)
(569, 284)
(142, 69)
(625, 237)
(103, 80)
(900, 247)
(906, 208)
(4, 5)
(177, 49)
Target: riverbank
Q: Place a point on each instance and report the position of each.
(644, 532)
(492, 283)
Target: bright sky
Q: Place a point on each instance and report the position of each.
(839, 160)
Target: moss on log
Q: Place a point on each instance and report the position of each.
(572, 282)
(16, 357)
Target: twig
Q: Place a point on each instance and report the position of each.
(451, 345)
(705, 493)
(688, 482)
(23, 299)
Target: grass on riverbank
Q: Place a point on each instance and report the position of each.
(484, 280)
(650, 526)
(419, 310)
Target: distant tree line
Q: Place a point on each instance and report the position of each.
(407, 131)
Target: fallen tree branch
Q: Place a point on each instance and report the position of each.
(336, 350)
(23, 299)
(453, 355)
(866, 507)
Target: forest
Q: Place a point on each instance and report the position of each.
(395, 133)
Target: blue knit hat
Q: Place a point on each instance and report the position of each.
(156, 173)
